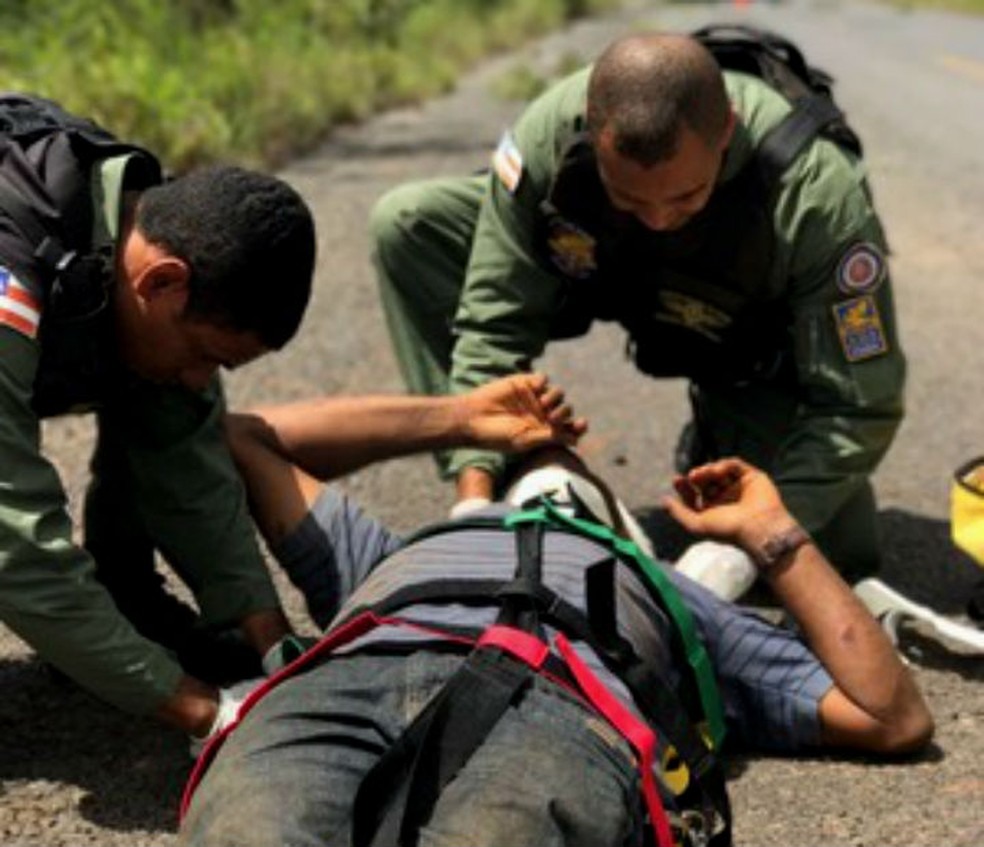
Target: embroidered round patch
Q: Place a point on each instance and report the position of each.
(861, 270)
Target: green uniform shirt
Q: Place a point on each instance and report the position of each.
(845, 410)
(187, 493)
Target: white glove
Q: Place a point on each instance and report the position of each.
(230, 701)
(722, 569)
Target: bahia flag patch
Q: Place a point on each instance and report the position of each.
(19, 308)
(507, 162)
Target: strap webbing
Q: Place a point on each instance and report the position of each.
(641, 737)
(398, 794)
(784, 141)
(651, 690)
(695, 654)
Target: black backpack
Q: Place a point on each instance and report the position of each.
(46, 155)
(781, 64)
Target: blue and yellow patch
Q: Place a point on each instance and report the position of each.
(859, 326)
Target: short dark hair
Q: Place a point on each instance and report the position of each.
(644, 88)
(249, 241)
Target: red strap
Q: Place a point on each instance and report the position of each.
(336, 638)
(524, 646)
(637, 733)
(339, 637)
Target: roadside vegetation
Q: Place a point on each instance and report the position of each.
(252, 81)
(256, 81)
(972, 7)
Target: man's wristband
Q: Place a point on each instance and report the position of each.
(778, 546)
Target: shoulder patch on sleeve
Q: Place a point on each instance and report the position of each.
(861, 269)
(860, 328)
(20, 309)
(507, 162)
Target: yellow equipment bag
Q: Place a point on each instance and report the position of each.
(967, 509)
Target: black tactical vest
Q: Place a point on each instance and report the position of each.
(696, 302)
(47, 157)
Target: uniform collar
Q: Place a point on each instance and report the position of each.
(108, 179)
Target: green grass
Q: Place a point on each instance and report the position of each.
(972, 7)
(252, 81)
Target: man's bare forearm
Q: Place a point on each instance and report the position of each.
(875, 703)
(854, 649)
(333, 436)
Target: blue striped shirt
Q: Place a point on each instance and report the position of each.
(770, 682)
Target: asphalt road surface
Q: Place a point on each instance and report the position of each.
(74, 772)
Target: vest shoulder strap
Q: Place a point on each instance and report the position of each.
(781, 64)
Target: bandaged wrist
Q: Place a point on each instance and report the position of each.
(777, 546)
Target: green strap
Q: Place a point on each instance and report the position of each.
(697, 657)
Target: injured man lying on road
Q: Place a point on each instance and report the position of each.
(525, 675)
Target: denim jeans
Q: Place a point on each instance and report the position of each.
(550, 773)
